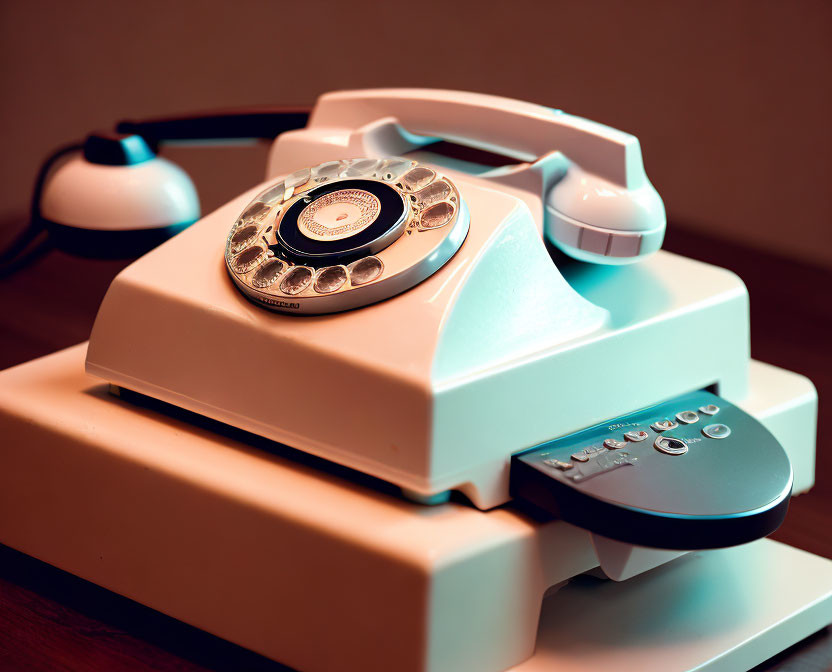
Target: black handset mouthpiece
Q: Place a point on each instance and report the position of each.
(116, 149)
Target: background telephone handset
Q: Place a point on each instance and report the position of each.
(695, 472)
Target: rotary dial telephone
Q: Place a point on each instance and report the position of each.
(353, 214)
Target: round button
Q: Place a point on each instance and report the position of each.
(242, 237)
(297, 178)
(437, 215)
(614, 444)
(687, 417)
(365, 270)
(670, 445)
(267, 274)
(663, 425)
(709, 409)
(330, 279)
(248, 258)
(296, 280)
(637, 435)
(717, 431)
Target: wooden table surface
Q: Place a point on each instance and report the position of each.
(50, 620)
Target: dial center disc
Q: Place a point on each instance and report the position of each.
(339, 215)
(341, 222)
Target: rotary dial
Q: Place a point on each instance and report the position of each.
(344, 234)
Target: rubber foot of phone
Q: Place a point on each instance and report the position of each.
(427, 500)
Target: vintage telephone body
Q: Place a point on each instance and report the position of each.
(491, 350)
(519, 336)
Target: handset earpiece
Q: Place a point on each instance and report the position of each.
(596, 220)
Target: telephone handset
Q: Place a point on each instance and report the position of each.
(599, 204)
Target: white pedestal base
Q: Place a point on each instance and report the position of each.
(322, 569)
(729, 610)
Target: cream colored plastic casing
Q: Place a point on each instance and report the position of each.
(433, 389)
(436, 388)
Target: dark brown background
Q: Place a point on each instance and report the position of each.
(731, 100)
